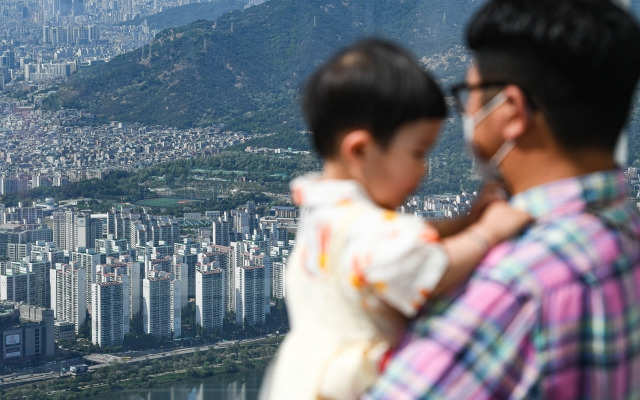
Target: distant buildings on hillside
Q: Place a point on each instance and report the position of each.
(39, 151)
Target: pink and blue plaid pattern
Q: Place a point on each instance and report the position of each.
(552, 314)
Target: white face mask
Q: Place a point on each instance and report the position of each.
(488, 169)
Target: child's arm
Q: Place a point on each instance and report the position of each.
(467, 248)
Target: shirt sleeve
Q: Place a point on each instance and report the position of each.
(481, 346)
(396, 258)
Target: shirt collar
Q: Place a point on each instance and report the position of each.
(311, 190)
(572, 194)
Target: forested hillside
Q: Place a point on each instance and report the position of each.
(245, 68)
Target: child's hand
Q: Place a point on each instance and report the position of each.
(500, 221)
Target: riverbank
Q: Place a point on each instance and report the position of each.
(149, 373)
(229, 386)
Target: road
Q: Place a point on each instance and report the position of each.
(57, 369)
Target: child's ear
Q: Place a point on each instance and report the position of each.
(354, 146)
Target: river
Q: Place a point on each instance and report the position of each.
(238, 386)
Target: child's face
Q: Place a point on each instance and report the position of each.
(393, 173)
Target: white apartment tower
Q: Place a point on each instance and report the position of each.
(237, 260)
(241, 223)
(278, 282)
(181, 273)
(68, 294)
(111, 246)
(89, 260)
(210, 297)
(88, 229)
(28, 282)
(157, 307)
(16, 285)
(47, 251)
(188, 252)
(220, 232)
(176, 307)
(110, 314)
(72, 229)
(138, 235)
(162, 230)
(223, 256)
(134, 271)
(250, 294)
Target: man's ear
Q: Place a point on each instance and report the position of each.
(354, 146)
(520, 115)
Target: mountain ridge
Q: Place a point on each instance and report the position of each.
(245, 68)
(183, 15)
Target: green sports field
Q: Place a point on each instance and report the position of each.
(164, 202)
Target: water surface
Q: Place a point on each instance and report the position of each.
(238, 386)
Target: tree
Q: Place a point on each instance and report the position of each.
(230, 365)
(84, 330)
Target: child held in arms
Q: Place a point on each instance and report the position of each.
(359, 269)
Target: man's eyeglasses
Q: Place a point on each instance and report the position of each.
(462, 90)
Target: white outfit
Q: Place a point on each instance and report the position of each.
(356, 272)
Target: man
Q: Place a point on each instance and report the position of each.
(555, 312)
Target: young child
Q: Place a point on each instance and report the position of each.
(359, 269)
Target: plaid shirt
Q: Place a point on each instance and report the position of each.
(552, 314)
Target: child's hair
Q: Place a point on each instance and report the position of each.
(374, 85)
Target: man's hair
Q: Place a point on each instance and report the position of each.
(374, 85)
(578, 62)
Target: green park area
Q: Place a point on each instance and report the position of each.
(164, 202)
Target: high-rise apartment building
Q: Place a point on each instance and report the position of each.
(187, 252)
(24, 214)
(250, 297)
(12, 184)
(49, 253)
(278, 282)
(241, 223)
(164, 264)
(88, 229)
(16, 285)
(220, 232)
(210, 297)
(111, 246)
(119, 224)
(157, 307)
(68, 293)
(73, 229)
(110, 312)
(176, 308)
(134, 271)
(223, 255)
(181, 273)
(138, 234)
(89, 260)
(39, 281)
(18, 251)
(13, 233)
(63, 229)
(165, 231)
